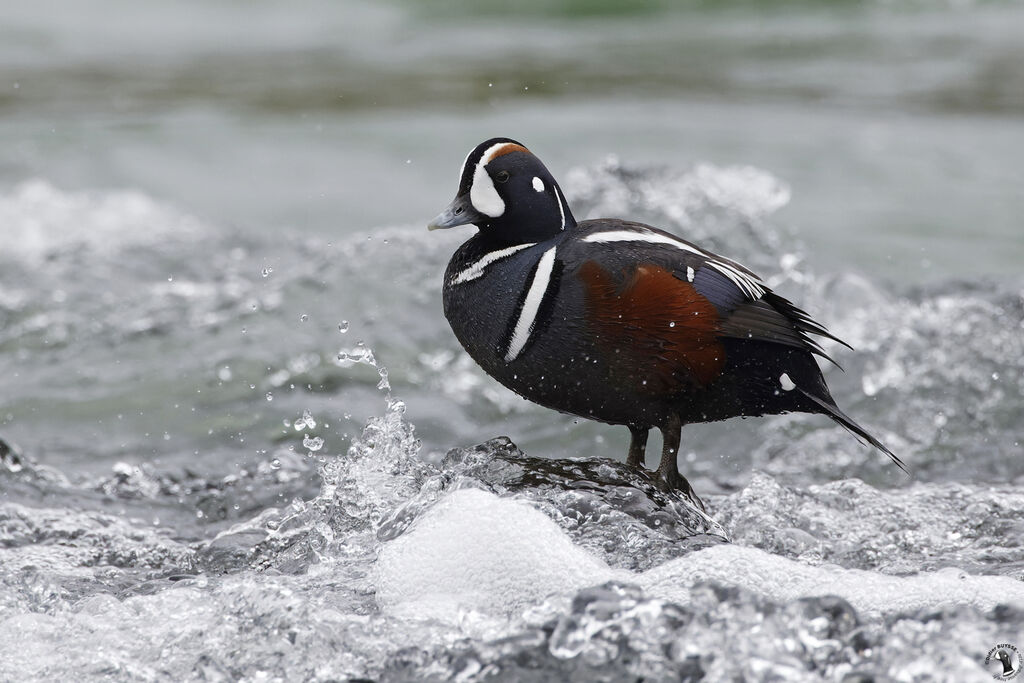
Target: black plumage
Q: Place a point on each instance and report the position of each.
(617, 321)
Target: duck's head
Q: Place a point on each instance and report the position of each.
(509, 194)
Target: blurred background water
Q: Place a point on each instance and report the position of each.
(212, 219)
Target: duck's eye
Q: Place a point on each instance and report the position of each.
(501, 176)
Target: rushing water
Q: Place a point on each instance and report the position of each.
(239, 440)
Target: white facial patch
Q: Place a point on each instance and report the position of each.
(538, 184)
(786, 383)
(482, 194)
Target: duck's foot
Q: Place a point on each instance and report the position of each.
(672, 480)
(637, 446)
(668, 472)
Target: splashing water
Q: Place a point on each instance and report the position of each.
(236, 555)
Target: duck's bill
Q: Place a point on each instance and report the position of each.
(459, 212)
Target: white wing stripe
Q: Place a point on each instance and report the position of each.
(649, 237)
(750, 286)
(531, 305)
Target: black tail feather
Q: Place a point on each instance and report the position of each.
(842, 418)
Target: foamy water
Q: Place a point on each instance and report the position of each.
(232, 457)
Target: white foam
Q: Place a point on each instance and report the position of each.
(780, 579)
(476, 551)
(39, 218)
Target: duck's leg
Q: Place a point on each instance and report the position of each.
(637, 446)
(668, 470)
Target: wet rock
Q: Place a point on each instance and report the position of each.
(604, 506)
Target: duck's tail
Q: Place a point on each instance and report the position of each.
(832, 410)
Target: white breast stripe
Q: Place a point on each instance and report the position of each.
(534, 297)
(747, 284)
(477, 269)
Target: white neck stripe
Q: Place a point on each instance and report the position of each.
(477, 269)
(561, 210)
(531, 305)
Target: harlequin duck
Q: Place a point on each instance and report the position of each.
(618, 321)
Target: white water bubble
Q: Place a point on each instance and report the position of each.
(270, 396)
(303, 318)
(343, 326)
(305, 422)
(313, 443)
(266, 271)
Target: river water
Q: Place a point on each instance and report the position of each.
(241, 443)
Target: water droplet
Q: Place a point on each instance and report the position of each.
(995, 376)
(313, 443)
(343, 326)
(303, 318)
(305, 422)
(275, 464)
(672, 323)
(267, 271)
(270, 396)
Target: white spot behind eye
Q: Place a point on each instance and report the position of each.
(786, 383)
(538, 184)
